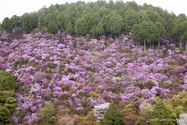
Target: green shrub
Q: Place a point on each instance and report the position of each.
(129, 114)
(161, 111)
(94, 95)
(47, 113)
(7, 81)
(90, 117)
(5, 94)
(112, 116)
(176, 101)
(10, 104)
(129, 110)
(5, 116)
(77, 119)
(143, 119)
(1, 75)
(43, 29)
(36, 30)
(178, 110)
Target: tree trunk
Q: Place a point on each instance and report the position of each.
(158, 42)
(150, 45)
(105, 43)
(100, 37)
(144, 45)
(153, 46)
(180, 44)
(186, 45)
(138, 44)
(44, 21)
(104, 37)
(52, 38)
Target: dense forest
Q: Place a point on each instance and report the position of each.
(90, 64)
(101, 18)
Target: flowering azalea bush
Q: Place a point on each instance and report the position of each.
(77, 73)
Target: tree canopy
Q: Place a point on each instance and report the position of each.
(112, 116)
(52, 27)
(81, 18)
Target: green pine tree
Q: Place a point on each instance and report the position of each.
(80, 26)
(177, 33)
(131, 18)
(52, 27)
(160, 112)
(60, 19)
(170, 25)
(69, 28)
(184, 38)
(50, 17)
(99, 31)
(112, 116)
(153, 34)
(135, 34)
(144, 32)
(6, 24)
(161, 20)
(161, 32)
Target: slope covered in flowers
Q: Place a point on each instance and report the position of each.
(77, 73)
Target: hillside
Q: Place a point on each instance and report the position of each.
(68, 76)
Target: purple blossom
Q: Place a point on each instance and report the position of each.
(100, 101)
(34, 108)
(40, 105)
(87, 89)
(56, 88)
(38, 87)
(165, 91)
(57, 93)
(60, 107)
(153, 90)
(185, 79)
(160, 65)
(44, 56)
(146, 93)
(31, 118)
(73, 95)
(125, 97)
(25, 106)
(80, 108)
(15, 119)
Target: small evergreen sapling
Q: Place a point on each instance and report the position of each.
(47, 113)
(112, 116)
(5, 116)
(160, 112)
(7, 81)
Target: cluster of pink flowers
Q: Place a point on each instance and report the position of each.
(49, 66)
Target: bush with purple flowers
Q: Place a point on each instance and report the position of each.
(75, 74)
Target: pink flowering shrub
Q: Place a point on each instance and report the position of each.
(76, 73)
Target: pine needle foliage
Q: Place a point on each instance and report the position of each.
(112, 116)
